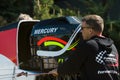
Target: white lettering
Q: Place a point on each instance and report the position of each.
(107, 71)
(46, 30)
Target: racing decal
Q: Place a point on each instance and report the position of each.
(50, 40)
(57, 53)
(99, 57)
(104, 58)
(108, 60)
(46, 30)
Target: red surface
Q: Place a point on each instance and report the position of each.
(8, 44)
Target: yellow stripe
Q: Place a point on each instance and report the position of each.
(48, 43)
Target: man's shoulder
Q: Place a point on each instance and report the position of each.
(91, 42)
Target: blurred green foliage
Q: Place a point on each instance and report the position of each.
(45, 9)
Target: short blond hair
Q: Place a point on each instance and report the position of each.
(94, 21)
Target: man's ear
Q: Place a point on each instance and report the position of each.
(91, 31)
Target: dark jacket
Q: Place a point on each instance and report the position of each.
(95, 59)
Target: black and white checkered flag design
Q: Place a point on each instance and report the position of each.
(100, 57)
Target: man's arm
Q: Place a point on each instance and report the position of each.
(75, 60)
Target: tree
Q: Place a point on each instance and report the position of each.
(45, 9)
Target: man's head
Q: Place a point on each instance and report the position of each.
(92, 25)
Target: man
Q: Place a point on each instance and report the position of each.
(96, 58)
